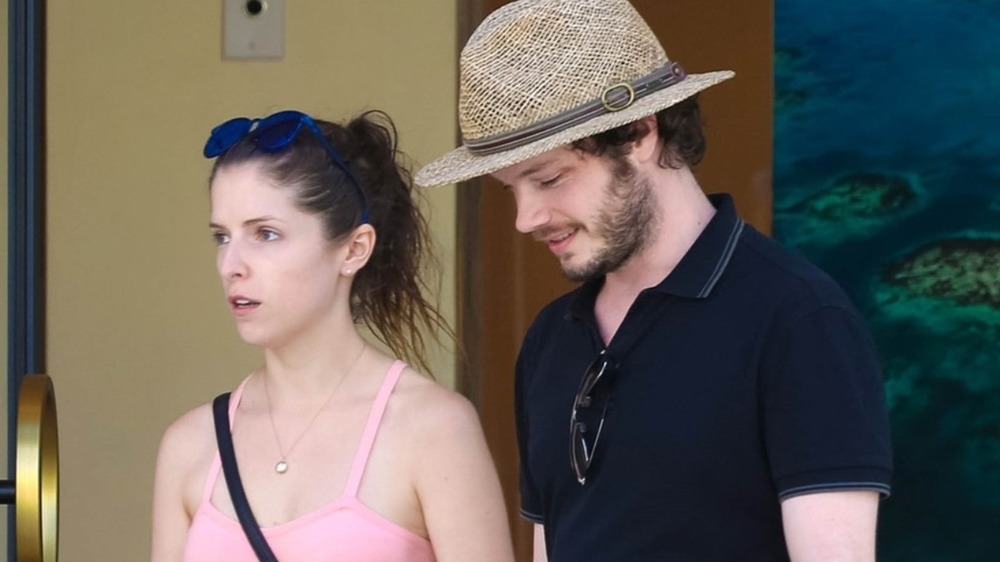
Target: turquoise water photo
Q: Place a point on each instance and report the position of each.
(887, 175)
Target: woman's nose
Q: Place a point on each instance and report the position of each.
(231, 262)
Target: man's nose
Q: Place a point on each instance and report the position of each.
(532, 212)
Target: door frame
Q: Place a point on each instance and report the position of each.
(25, 212)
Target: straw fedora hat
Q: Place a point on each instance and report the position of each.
(540, 74)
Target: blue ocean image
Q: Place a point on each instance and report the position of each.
(887, 175)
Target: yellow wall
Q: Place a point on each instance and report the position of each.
(137, 328)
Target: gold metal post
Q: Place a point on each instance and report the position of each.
(37, 481)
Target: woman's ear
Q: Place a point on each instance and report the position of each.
(359, 246)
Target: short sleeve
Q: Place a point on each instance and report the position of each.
(531, 505)
(825, 419)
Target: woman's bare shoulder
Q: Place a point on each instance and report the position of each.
(189, 438)
(432, 410)
(185, 454)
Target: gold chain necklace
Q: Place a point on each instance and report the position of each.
(281, 466)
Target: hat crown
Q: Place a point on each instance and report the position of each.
(533, 59)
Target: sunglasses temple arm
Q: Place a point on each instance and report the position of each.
(335, 156)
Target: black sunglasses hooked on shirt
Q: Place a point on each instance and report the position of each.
(581, 446)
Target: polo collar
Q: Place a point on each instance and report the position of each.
(698, 271)
(703, 264)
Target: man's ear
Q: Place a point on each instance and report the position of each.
(646, 148)
(359, 246)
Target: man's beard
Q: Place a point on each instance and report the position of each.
(626, 223)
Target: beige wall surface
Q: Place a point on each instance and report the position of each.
(137, 328)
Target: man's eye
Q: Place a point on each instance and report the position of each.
(220, 238)
(551, 181)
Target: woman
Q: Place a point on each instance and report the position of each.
(345, 453)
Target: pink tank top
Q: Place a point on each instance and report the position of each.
(345, 529)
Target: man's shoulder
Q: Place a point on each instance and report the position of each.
(784, 272)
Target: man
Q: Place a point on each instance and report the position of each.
(724, 397)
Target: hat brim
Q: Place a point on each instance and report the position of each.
(460, 164)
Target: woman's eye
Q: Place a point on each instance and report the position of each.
(220, 238)
(267, 235)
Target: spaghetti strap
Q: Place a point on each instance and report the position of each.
(216, 466)
(371, 428)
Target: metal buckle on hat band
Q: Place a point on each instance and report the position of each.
(613, 102)
(615, 98)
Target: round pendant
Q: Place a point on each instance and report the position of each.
(281, 467)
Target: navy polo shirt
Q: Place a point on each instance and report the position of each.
(743, 378)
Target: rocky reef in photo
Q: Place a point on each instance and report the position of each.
(963, 271)
(788, 95)
(864, 195)
(854, 204)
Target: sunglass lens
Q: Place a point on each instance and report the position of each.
(579, 453)
(277, 131)
(590, 378)
(583, 443)
(226, 135)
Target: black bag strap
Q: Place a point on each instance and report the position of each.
(220, 409)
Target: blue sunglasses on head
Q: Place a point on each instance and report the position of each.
(273, 134)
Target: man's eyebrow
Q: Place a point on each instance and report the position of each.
(537, 168)
(532, 170)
